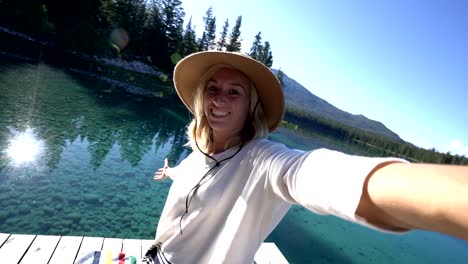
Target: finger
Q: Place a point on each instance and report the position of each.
(160, 174)
(166, 163)
(161, 177)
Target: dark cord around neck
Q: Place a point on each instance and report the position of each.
(194, 190)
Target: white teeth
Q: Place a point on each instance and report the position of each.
(219, 113)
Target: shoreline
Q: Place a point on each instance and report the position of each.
(100, 65)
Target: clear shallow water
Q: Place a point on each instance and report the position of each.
(96, 152)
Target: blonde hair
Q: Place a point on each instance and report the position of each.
(199, 132)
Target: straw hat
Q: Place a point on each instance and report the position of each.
(189, 71)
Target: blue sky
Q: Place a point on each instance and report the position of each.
(403, 63)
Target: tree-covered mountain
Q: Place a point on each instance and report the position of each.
(298, 97)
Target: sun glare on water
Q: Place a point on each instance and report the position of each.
(24, 147)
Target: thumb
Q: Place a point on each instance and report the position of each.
(166, 163)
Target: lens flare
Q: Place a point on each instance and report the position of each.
(120, 38)
(24, 147)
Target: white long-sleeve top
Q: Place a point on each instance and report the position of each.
(245, 197)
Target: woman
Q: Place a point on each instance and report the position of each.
(236, 185)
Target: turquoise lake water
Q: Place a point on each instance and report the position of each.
(96, 149)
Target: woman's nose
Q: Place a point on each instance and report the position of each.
(219, 100)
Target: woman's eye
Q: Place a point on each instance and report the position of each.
(211, 88)
(233, 92)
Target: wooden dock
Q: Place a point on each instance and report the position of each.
(38, 249)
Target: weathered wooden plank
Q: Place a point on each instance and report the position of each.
(41, 250)
(88, 246)
(14, 248)
(66, 250)
(132, 248)
(3, 238)
(111, 249)
(269, 253)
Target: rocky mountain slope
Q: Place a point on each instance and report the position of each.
(297, 96)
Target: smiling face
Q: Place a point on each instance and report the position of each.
(226, 103)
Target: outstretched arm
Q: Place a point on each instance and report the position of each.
(417, 196)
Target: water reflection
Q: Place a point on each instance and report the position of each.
(62, 107)
(87, 152)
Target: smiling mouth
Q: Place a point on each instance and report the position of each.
(216, 113)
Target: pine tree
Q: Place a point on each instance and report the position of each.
(210, 30)
(266, 55)
(173, 21)
(155, 37)
(222, 39)
(279, 75)
(165, 32)
(189, 44)
(256, 46)
(202, 42)
(234, 38)
(261, 52)
(212, 34)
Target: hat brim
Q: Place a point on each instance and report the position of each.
(189, 71)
